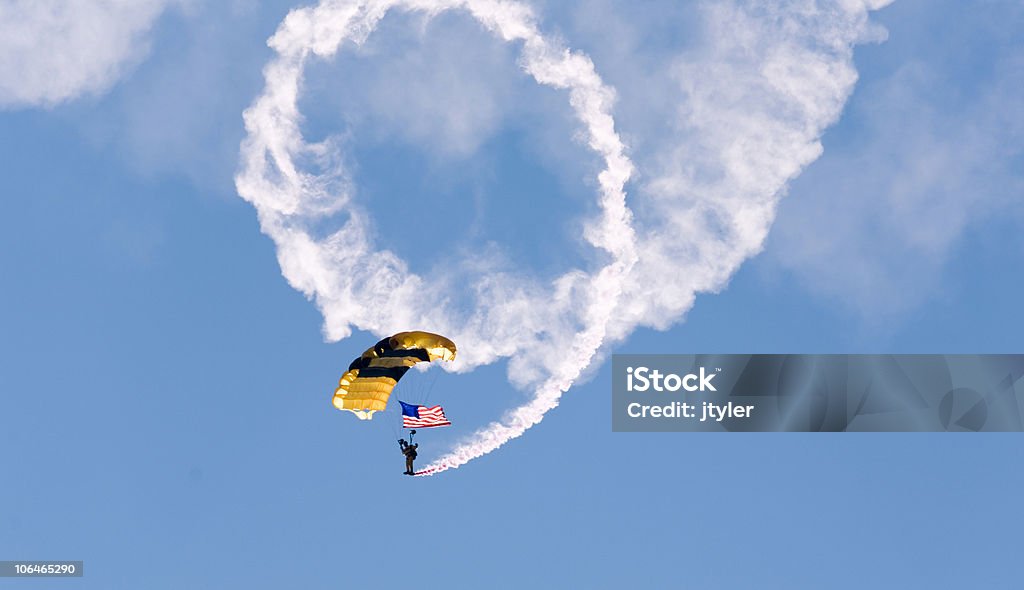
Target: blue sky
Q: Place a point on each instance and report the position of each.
(166, 410)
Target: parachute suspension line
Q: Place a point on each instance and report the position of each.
(430, 388)
(390, 424)
(389, 415)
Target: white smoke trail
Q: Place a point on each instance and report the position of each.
(512, 316)
(753, 106)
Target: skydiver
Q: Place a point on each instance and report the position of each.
(409, 450)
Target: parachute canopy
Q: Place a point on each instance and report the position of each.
(367, 385)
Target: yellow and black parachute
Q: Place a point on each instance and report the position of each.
(367, 385)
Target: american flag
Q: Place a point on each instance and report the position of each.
(422, 416)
